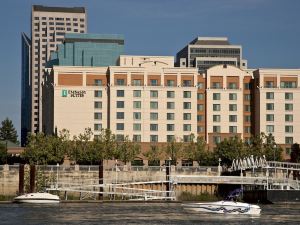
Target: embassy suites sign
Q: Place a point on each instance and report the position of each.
(73, 93)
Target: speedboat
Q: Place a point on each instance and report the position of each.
(37, 198)
(227, 207)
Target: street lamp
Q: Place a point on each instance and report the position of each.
(219, 167)
(275, 147)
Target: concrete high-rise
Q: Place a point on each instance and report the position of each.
(48, 27)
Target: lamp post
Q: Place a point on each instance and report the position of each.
(219, 167)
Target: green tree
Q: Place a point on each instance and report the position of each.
(3, 153)
(154, 153)
(295, 154)
(8, 131)
(195, 150)
(127, 150)
(174, 151)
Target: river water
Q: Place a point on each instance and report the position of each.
(138, 213)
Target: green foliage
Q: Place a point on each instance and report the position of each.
(154, 153)
(127, 150)
(174, 150)
(8, 131)
(3, 153)
(295, 154)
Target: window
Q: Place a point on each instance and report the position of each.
(137, 115)
(288, 129)
(137, 104)
(170, 105)
(153, 105)
(288, 84)
(269, 84)
(216, 107)
(247, 108)
(187, 127)
(154, 127)
(200, 96)
(216, 96)
(187, 116)
(232, 96)
(247, 130)
(119, 137)
(288, 118)
(232, 129)
(200, 107)
(98, 94)
(247, 97)
(170, 94)
(216, 139)
(247, 86)
(216, 85)
(137, 138)
(187, 105)
(232, 86)
(170, 127)
(153, 138)
(269, 95)
(120, 93)
(187, 138)
(186, 83)
(199, 118)
(187, 94)
(120, 82)
(153, 82)
(289, 140)
(153, 94)
(136, 126)
(200, 129)
(98, 116)
(98, 105)
(200, 85)
(97, 127)
(270, 117)
(170, 138)
(120, 126)
(270, 106)
(120, 104)
(137, 93)
(216, 118)
(137, 82)
(120, 115)
(153, 116)
(288, 96)
(170, 83)
(232, 118)
(216, 129)
(289, 107)
(232, 107)
(170, 116)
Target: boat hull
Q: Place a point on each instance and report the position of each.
(37, 198)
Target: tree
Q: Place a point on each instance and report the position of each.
(195, 150)
(174, 150)
(3, 153)
(153, 155)
(295, 153)
(8, 132)
(272, 151)
(127, 150)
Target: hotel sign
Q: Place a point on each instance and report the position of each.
(73, 93)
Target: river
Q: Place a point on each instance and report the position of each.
(138, 213)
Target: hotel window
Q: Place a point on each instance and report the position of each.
(153, 138)
(120, 115)
(120, 126)
(216, 139)
(98, 105)
(187, 105)
(170, 138)
(170, 94)
(170, 83)
(120, 82)
(247, 118)
(288, 84)
(153, 116)
(200, 129)
(288, 129)
(137, 104)
(170, 116)
(170, 105)
(216, 118)
(233, 129)
(289, 140)
(232, 86)
(153, 94)
(200, 85)
(247, 130)
(232, 96)
(187, 138)
(247, 97)
(200, 107)
(187, 116)
(120, 104)
(187, 94)
(154, 127)
(137, 93)
(187, 127)
(270, 117)
(288, 118)
(153, 82)
(270, 106)
(270, 128)
(232, 118)
(247, 86)
(199, 118)
(170, 127)
(98, 116)
(137, 138)
(153, 105)
(186, 83)
(288, 96)
(98, 94)
(97, 127)
(120, 137)
(247, 108)
(200, 96)
(97, 82)
(216, 96)
(288, 107)
(216, 107)
(232, 107)
(269, 84)
(137, 115)
(216, 85)
(137, 126)
(216, 129)
(269, 95)
(137, 82)
(120, 93)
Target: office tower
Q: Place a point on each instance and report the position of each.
(205, 52)
(48, 27)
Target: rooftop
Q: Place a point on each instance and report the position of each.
(42, 8)
(210, 41)
(96, 38)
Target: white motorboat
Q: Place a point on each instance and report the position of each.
(227, 207)
(37, 198)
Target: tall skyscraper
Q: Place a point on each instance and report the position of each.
(48, 27)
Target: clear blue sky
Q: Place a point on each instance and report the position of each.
(268, 30)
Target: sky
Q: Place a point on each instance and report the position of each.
(268, 30)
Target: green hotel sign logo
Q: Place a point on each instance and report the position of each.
(73, 93)
(64, 93)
